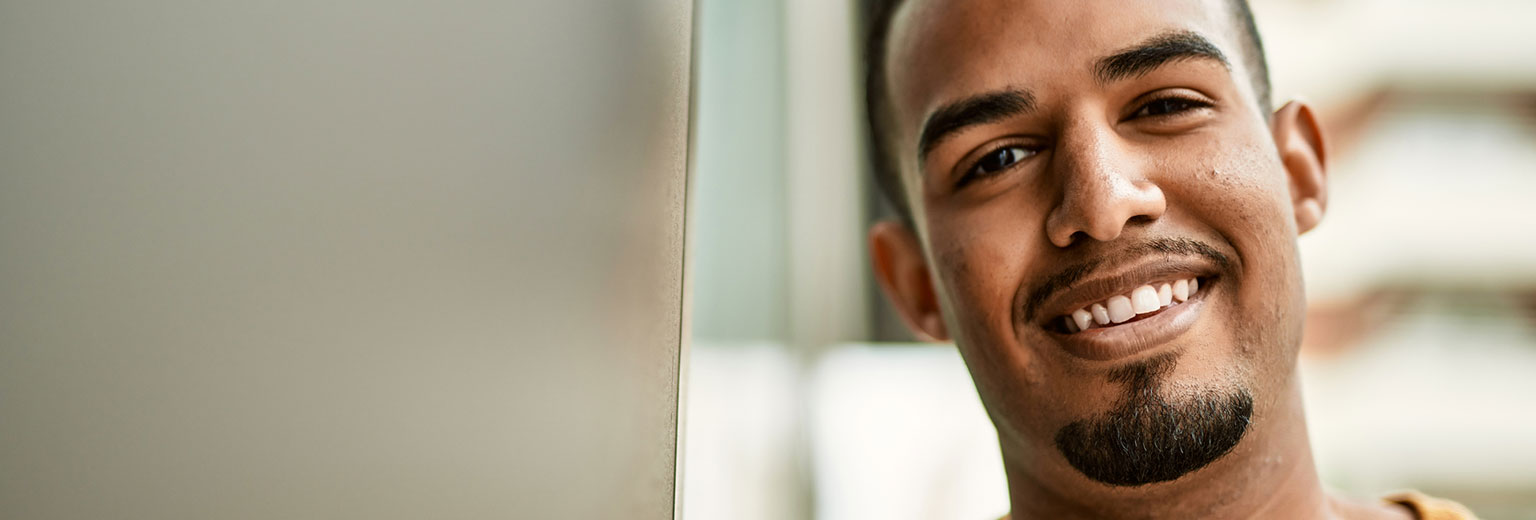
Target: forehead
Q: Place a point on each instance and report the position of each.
(942, 50)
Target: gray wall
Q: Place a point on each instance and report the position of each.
(340, 258)
(738, 205)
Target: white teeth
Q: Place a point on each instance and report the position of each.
(1120, 309)
(1100, 314)
(1144, 300)
(1082, 319)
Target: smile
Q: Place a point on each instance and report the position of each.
(1132, 312)
(1142, 302)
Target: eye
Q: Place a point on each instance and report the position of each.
(1168, 106)
(996, 161)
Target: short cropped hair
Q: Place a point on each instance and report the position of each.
(877, 99)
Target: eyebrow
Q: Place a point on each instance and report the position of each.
(975, 110)
(1155, 52)
(1134, 61)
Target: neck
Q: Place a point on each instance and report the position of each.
(1269, 474)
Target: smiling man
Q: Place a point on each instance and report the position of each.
(1101, 211)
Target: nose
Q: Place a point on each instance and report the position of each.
(1104, 189)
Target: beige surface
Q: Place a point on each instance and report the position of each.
(340, 259)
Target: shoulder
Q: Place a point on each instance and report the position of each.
(1430, 508)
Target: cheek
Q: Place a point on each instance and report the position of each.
(976, 279)
(981, 254)
(1258, 219)
(1246, 201)
(981, 268)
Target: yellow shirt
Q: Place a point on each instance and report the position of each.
(1431, 508)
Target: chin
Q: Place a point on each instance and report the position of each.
(1159, 430)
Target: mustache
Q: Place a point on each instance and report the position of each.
(1061, 280)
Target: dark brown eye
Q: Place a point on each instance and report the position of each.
(1168, 106)
(998, 160)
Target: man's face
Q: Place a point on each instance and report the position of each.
(1061, 155)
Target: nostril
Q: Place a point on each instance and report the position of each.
(1079, 237)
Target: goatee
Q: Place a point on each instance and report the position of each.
(1148, 438)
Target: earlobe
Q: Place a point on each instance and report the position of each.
(1303, 151)
(902, 271)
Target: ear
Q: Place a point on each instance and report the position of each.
(903, 273)
(1299, 138)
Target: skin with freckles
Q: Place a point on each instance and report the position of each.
(1056, 153)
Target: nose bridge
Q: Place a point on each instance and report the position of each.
(1103, 186)
(1085, 149)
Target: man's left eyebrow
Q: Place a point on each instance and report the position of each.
(1158, 51)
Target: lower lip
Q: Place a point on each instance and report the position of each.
(1131, 338)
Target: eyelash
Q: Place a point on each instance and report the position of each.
(1189, 103)
(971, 173)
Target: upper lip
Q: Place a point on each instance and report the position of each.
(1094, 289)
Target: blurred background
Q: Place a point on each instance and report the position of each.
(341, 259)
(806, 398)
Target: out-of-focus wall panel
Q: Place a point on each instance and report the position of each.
(340, 259)
(738, 207)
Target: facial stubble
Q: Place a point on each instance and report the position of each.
(1149, 438)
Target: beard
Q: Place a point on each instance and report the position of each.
(1148, 438)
